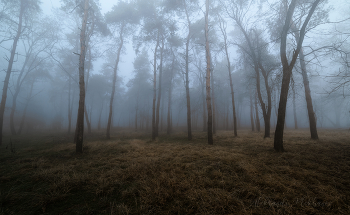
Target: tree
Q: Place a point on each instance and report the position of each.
(288, 67)
(223, 27)
(37, 43)
(208, 60)
(255, 47)
(21, 10)
(121, 18)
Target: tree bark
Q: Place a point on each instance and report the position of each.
(9, 69)
(80, 120)
(108, 134)
(169, 123)
(207, 53)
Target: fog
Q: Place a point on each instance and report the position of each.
(43, 88)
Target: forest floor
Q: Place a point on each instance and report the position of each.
(129, 174)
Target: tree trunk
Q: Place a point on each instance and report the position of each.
(189, 124)
(154, 133)
(294, 105)
(169, 124)
(80, 120)
(310, 109)
(207, 53)
(213, 96)
(88, 123)
(232, 93)
(287, 70)
(257, 119)
(108, 135)
(9, 69)
(251, 111)
(159, 87)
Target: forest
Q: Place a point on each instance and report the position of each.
(175, 107)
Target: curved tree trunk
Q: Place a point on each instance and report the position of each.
(9, 69)
(80, 120)
(108, 135)
(287, 70)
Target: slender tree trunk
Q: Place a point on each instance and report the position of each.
(154, 128)
(159, 87)
(310, 108)
(80, 120)
(257, 119)
(69, 106)
(169, 123)
(204, 110)
(251, 111)
(189, 124)
(232, 93)
(9, 69)
(213, 96)
(108, 135)
(207, 53)
(294, 105)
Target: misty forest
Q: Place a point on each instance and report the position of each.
(175, 107)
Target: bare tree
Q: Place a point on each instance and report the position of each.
(287, 69)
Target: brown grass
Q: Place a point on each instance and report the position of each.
(132, 175)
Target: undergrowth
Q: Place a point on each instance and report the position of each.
(130, 174)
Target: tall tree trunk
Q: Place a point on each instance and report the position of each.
(294, 105)
(207, 54)
(310, 109)
(287, 70)
(232, 93)
(189, 124)
(80, 120)
(154, 133)
(108, 135)
(169, 123)
(9, 69)
(15, 95)
(251, 111)
(222, 25)
(69, 106)
(159, 86)
(257, 119)
(204, 110)
(86, 88)
(213, 96)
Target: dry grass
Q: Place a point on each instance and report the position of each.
(131, 175)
